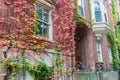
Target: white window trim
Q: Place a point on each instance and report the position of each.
(100, 57)
(104, 11)
(49, 7)
(50, 27)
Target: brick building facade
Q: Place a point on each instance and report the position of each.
(91, 48)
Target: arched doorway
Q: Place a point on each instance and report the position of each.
(84, 49)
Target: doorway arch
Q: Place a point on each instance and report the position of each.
(84, 47)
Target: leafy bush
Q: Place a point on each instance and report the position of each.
(40, 72)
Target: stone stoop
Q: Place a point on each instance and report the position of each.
(104, 75)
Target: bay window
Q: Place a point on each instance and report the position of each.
(100, 11)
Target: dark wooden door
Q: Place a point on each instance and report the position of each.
(78, 55)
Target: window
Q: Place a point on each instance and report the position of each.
(110, 54)
(98, 16)
(99, 52)
(43, 21)
(80, 6)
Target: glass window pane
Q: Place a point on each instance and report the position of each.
(80, 2)
(45, 30)
(98, 16)
(99, 52)
(40, 26)
(46, 16)
(43, 21)
(39, 11)
(98, 46)
(81, 10)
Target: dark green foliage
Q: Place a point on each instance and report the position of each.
(111, 37)
(40, 72)
(118, 36)
(115, 38)
(114, 11)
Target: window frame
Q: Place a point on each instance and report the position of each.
(100, 12)
(99, 55)
(42, 21)
(105, 12)
(81, 6)
(49, 7)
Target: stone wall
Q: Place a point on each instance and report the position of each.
(108, 75)
(30, 56)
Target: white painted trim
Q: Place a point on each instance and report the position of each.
(51, 51)
(83, 8)
(45, 4)
(100, 28)
(50, 27)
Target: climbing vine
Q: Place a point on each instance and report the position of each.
(39, 71)
(114, 50)
(58, 65)
(17, 20)
(116, 37)
(114, 11)
(11, 67)
(78, 17)
(63, 25)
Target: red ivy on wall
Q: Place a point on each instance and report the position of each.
(64, 25)
(17, 25)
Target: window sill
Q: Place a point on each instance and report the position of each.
(51, 51)
(48, 40)
(44, 39)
